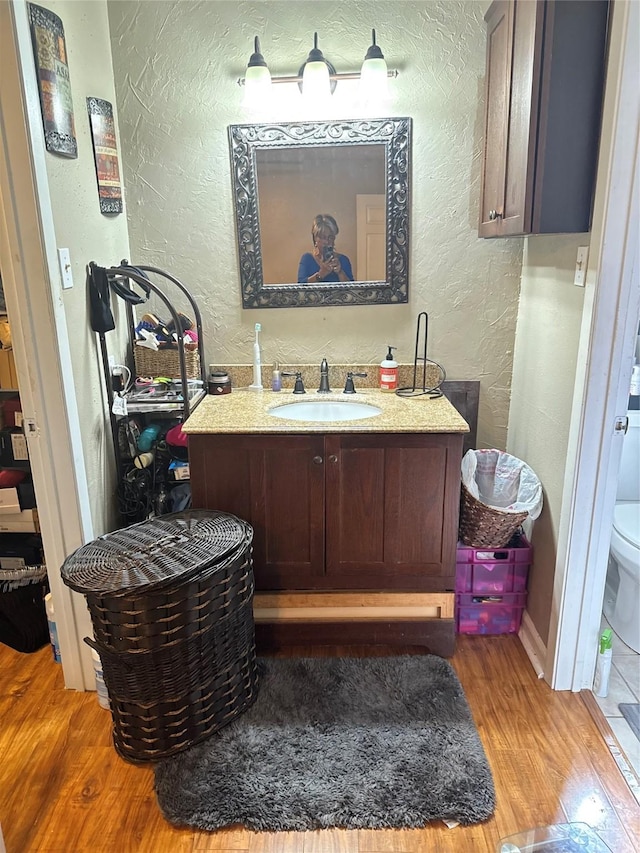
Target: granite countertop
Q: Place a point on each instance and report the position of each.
(247, 411)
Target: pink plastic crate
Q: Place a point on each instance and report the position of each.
(482, 571)
(477, 614)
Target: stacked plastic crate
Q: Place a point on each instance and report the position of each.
(491, 587)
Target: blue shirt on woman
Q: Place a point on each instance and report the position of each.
(309, 266)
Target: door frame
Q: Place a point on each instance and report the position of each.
(33, 291)
(601, 392)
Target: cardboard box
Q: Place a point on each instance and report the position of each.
(9, 501)
(12, 412)
(13, 449)
(8, 375)
(20, 522)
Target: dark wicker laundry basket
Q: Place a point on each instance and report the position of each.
(171, 602)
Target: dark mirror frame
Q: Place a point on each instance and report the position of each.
(246, 139)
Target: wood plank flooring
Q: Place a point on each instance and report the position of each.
(63, 789)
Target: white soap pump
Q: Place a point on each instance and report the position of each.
(256, 385)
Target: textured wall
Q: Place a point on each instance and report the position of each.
(176, 66)
(89, 235)
(544, 373)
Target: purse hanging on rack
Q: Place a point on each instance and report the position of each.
(101, 316)
(124, 291)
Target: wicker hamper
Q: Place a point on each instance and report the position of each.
(483, 526)
(165, 362)
(171, 603)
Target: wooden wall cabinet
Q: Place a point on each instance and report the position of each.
(544, 88)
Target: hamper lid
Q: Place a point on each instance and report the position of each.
(155, 553)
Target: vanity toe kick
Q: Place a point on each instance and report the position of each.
(345, 618)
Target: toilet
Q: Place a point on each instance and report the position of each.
(622, 595)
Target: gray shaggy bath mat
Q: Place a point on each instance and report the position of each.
(342, 742)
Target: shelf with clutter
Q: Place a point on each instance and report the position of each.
(153, 389)
(23, 573)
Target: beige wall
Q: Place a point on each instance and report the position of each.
(176, 66)
(547, 338)
(89, 235)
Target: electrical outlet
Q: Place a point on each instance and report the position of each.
(65, 268)
(581, 266)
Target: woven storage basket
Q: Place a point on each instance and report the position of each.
(165, 362)
(483, 526)
(171, 602)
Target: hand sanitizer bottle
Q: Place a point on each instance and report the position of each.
(603, 664)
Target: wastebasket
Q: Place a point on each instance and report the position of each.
(171, 603)
(498, 492)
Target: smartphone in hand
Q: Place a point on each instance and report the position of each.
(327, 253)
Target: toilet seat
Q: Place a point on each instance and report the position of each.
(626, 521)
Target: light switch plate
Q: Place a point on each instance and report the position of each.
(65, 268)
(581, 266)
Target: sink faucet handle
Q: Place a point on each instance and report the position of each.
(349, 387)
(298, 387)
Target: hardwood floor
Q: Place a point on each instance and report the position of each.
(63, 789)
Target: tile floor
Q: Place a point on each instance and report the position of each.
(624, 686)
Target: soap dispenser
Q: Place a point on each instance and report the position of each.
(389, 372)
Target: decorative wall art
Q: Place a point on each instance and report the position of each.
(50, 54)
(105, 153)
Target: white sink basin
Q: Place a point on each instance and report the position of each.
(325, 410)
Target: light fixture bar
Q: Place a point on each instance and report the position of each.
(340, 75)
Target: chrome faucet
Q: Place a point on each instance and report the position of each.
(324, 378)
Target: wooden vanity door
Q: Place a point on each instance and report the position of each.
(392, 504)
(276, 483)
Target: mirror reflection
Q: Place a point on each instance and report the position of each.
(322, 212)
(297, 185)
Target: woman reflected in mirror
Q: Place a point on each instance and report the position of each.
(324, 264)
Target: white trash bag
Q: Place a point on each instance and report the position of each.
(502, 481)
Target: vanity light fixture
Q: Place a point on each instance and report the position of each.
(317, 77)
(257, 77)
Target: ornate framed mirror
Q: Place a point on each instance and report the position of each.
(284, 175)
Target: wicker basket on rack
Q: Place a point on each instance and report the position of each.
(483, 526)
(171, 603)
(165, 362)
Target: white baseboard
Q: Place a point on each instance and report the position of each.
(533, 645)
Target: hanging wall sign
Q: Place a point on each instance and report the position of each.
(105, 153)
(50, 53)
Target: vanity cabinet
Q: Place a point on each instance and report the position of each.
(544, 87)
(338, 511)
(354, 534)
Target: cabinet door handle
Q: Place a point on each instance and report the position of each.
(317, 460)
(333, 458)
(492, 215)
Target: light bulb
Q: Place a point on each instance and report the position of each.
(374, 80)
(257, 79)
(315, 81)
(316, 84)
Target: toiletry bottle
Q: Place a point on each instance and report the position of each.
(603, 664)
(634, 387)
(218, 382)
(256, 385)
(276, 379)
(53, 630)
(389, 372)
